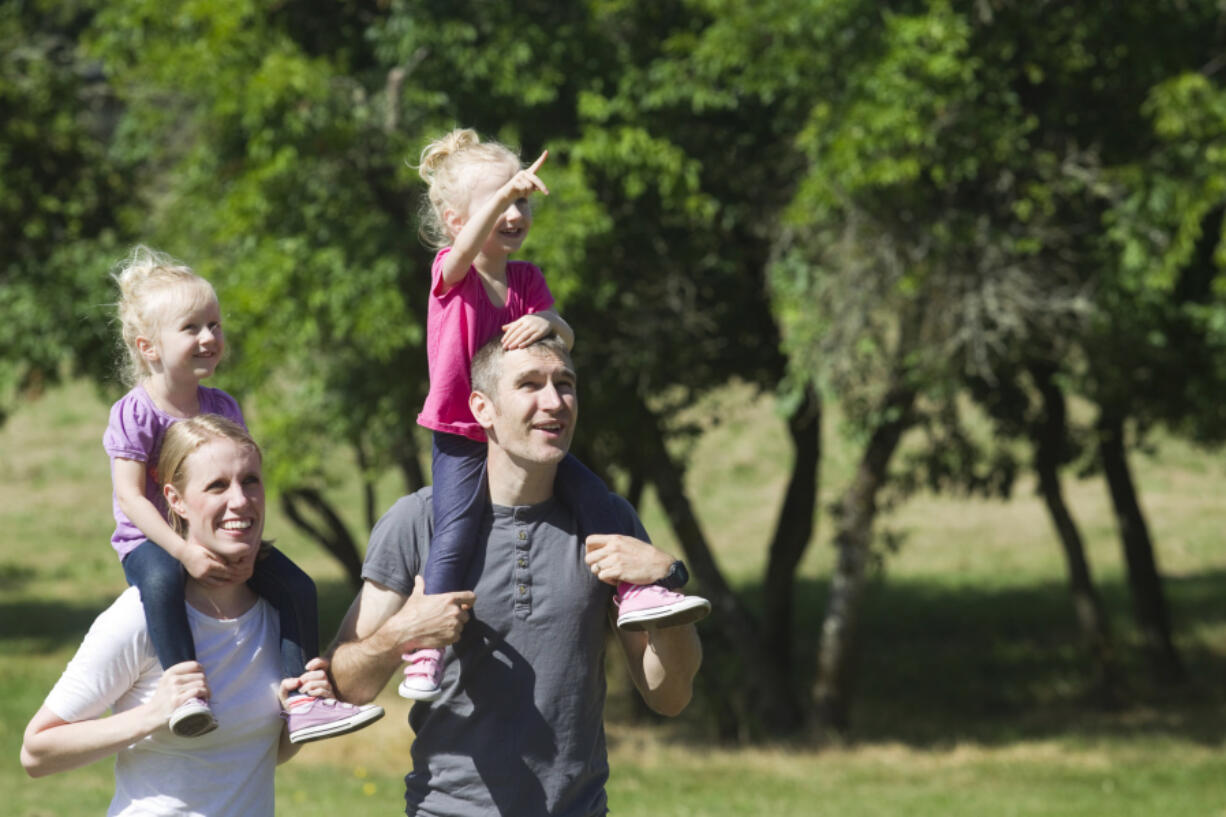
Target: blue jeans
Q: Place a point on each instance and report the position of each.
(161, 580)
(461, 495)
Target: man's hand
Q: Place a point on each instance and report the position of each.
(431, 620)
(616, 558)
(383, 624)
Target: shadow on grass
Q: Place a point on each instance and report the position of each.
(939, 663)
(942, 663)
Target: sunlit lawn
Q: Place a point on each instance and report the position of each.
(972, 685)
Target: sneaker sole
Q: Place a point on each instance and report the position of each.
(414, 694)
(329, 730)
(194, 725)
(686, 611)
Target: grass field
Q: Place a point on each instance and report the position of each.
(973, 688)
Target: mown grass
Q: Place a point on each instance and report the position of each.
(974, 692)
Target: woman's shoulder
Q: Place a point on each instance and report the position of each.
(125, 617)
(120, 629)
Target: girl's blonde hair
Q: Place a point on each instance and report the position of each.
(446, 166)
(153, 289)
(183, 439)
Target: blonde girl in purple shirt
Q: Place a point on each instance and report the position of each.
(477, 214)
(171, 327)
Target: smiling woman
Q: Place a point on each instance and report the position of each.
(212, 481)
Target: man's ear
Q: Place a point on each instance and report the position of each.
(146, 348)
(483, 409)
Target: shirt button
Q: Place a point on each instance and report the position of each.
(522, 590)
(523, 534)
(523, 562)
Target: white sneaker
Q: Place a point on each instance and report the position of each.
(192, 719)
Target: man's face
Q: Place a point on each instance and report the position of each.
(533, 413)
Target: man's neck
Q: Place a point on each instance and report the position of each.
(511, 483)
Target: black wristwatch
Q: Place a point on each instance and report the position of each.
(676, 577)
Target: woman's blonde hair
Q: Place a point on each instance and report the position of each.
(182, 440)
(445, 167)
(153, 288)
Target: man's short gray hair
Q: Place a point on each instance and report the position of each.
(487, 362)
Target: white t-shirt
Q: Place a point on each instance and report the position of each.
(226, 773)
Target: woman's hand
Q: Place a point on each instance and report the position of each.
(178, 685)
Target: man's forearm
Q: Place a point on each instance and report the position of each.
(671, 659)
(360, 669)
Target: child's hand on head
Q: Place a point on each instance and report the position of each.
(524, 331)
(526, 182)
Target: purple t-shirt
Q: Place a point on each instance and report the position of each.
(135, 432)
(458, 323)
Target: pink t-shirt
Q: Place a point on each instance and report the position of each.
(135, 432)
(458, 323)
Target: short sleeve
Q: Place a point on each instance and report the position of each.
(219, 402)
(398, 544)
(109, 662)
(536, 294)
(436, 277)
(131, 432)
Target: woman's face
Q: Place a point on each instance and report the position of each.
(223, 500)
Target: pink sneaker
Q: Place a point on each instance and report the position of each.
(311, 718)
(423, 676)
(641, 606)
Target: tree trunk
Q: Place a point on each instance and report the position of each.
(1148, 600)
(765, 693)
(1050, 438)
(407, 457)
(329, 531)
(369, 498)
(835, 686)
(793, 530)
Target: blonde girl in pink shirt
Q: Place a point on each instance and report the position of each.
(477, 214)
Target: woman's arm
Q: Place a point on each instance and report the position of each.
(51, 744)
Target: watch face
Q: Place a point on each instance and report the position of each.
(677, 576)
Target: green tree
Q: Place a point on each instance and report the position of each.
(62, 199)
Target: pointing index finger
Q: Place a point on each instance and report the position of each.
(535, 166)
